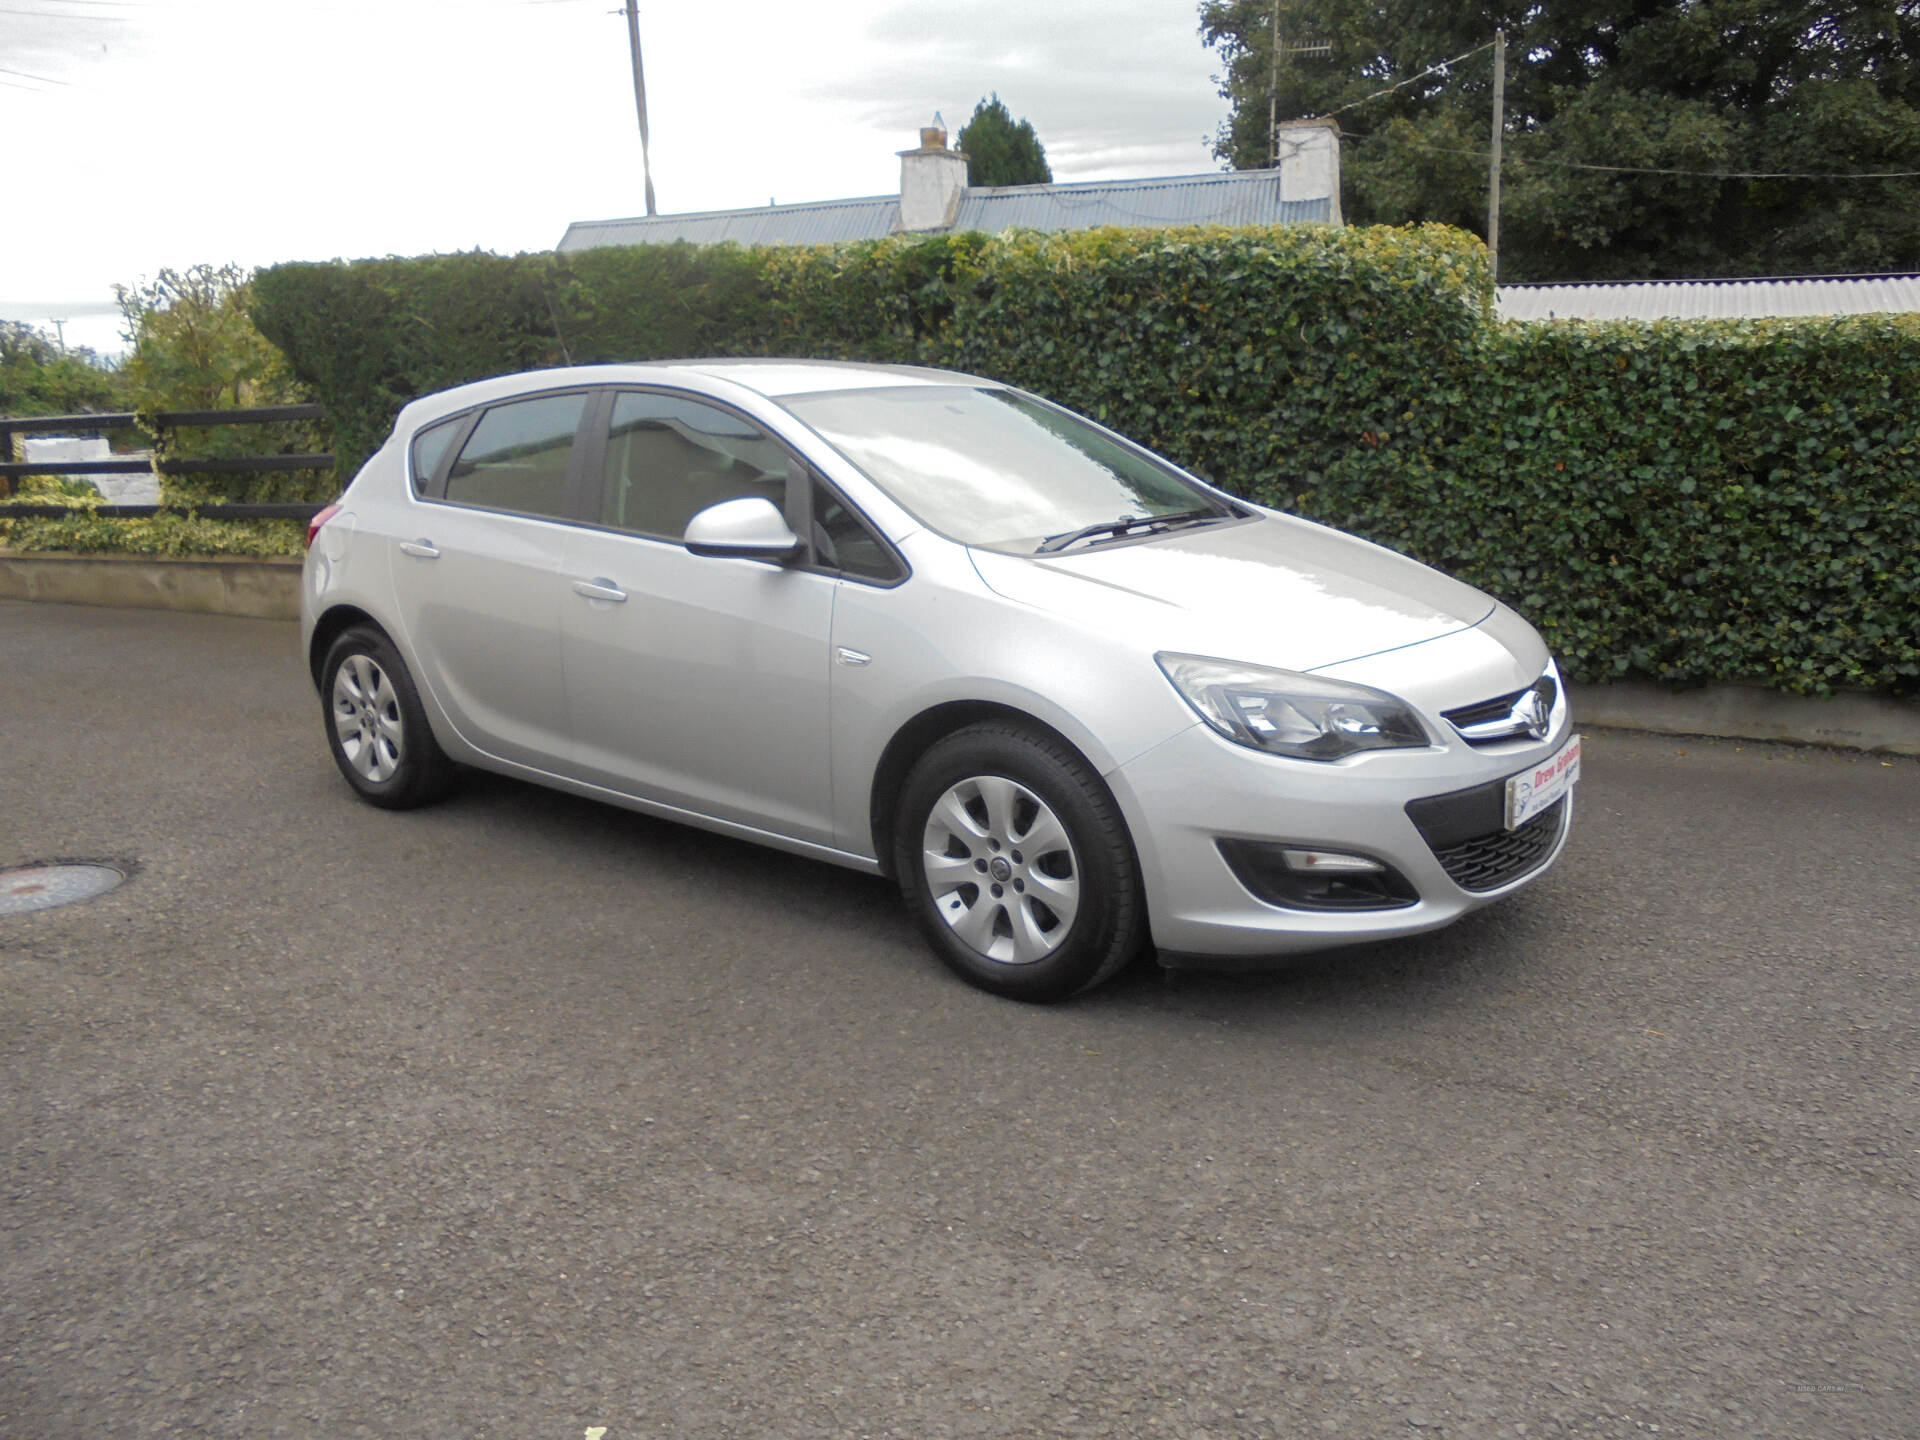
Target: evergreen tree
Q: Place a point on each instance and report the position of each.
(1000, 151)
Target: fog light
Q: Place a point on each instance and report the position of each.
(1297, 877)
(1327, 862)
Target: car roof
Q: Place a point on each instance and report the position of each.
(776, 377)
(772, 378)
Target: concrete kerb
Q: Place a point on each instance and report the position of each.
(1751, 712)
(269, 588)
(266, 588)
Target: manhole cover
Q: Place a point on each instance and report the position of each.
(61, 882)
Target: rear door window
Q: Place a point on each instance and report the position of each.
(519, 456)
(430, 448)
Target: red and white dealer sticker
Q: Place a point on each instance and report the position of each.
(1532, 791)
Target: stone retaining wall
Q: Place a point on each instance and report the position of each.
(267, 589)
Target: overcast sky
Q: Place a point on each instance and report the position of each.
(375, 127)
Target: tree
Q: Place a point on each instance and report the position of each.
(999, 151)
(194, 345)
(37, 377)
(195, 348)
(1640, 134)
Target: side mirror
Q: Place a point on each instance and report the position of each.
(750, 528)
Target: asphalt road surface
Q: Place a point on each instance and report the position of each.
(522, 1116)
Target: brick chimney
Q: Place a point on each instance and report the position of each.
(932, 180)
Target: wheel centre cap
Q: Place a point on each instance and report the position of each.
(1000, 869)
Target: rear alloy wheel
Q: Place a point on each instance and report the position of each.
(376, 726)
(1015, 861)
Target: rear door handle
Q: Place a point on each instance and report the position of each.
(599, 588)
(422, 549)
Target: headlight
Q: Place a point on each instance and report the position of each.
(1288, 714)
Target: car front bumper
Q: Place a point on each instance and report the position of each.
(1186, 795)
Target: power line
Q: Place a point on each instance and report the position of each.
(1582, 165)
(1434, 69)
(38, 79)
(1726, 174)
(1646, 169)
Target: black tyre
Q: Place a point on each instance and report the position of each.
(376, 727)
(1016, 863)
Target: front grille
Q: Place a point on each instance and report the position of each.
(1499, 857)
(1491, 720)
(1497, 708)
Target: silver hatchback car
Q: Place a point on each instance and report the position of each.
(1074, 700)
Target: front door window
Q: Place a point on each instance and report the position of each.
(669, 458)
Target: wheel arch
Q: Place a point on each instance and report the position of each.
(928, 728)
(329, 628)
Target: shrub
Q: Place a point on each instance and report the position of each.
(168, 533)
(1698, 501)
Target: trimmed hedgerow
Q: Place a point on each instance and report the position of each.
(1701, 501)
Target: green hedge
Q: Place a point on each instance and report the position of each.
(1690, 502)
(369, 336)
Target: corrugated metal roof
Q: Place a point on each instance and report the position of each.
(1238, 197)
(815, 224)
(1813, 295)
(1244, 197)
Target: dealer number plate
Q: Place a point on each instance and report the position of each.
(1532, 791)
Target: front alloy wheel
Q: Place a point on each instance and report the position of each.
(1001, 870)
(1014, 860)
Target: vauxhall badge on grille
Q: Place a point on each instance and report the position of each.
(1534, 711)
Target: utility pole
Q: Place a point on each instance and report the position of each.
(1273, 91)
(640, 96)
(1499, 125)
(1273, 82)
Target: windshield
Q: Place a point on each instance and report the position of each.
(990, 467)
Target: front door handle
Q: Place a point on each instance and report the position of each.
(599, 588)
(422, 549)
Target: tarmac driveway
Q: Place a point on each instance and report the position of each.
(522, 1115)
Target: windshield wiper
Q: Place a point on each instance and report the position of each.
(1191, 517)
(1126, 523)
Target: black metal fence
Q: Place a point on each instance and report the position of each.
(99, 424)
